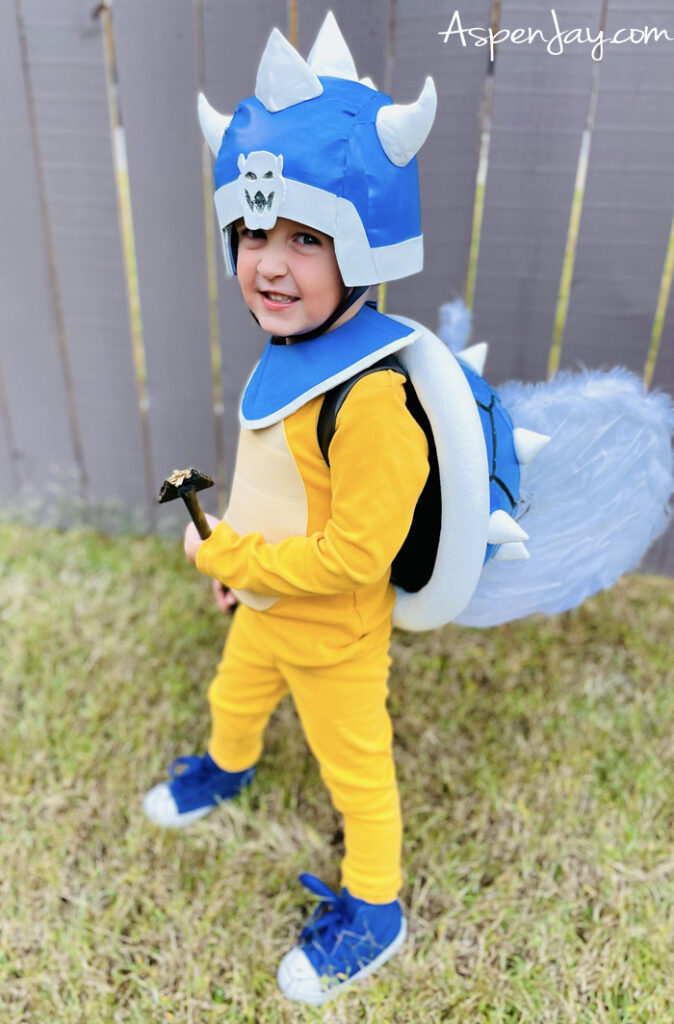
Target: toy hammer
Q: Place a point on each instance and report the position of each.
(184, 483)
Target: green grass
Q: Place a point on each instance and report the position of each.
(536, 764)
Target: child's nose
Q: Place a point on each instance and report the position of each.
(272, 262)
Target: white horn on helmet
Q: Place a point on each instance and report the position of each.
(330, 55)
(283, 77)
(213, 124)
(403, 129)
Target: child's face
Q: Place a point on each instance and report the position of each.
(288, 276)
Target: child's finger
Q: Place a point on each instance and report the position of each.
(224, 598)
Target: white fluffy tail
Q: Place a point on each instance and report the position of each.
(598, 494)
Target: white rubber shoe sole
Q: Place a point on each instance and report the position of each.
(161, 808)
(298, 980)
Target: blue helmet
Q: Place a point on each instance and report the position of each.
(319, 146)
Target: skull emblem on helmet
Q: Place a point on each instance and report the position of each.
(261, 187)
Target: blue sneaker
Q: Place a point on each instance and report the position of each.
(193, 792)
(344, 940)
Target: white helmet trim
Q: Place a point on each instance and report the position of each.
(359, 263)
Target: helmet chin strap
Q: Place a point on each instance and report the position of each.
(350, 296)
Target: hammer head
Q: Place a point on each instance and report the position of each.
(181, 482)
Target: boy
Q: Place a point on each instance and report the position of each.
(307, 546)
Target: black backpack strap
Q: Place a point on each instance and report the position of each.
(335, 398)
(413, 565)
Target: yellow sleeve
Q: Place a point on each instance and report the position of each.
(378, 468)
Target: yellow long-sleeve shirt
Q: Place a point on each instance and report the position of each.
(359, 512)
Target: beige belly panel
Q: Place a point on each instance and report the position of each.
(268, 495)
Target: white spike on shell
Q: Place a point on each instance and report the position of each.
(403, 129)
(512, 552)
(528, 444)
(330, 55)
(475, 356)
(283, 77)
(213, 124)
(503, 529)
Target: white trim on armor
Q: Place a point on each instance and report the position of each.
(359, 263)
(450, 406)
(330, 382)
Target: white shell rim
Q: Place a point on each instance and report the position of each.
(464, 484)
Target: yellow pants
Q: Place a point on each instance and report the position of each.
(342, 707)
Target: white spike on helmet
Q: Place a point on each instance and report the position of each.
(316, 145)
(213, 124)
(402, 130)
(283, 78)
(330, 55)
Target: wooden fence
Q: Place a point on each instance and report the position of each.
(548, 202)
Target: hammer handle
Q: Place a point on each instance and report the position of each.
(198, 517)
(200, 521)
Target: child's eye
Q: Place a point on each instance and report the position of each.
(251, 233)
(306, 239)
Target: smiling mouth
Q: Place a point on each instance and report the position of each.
(277, 297)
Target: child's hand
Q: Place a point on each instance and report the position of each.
(193, 540)
(224, 598)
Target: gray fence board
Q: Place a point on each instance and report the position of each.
(448, 160)
(660, 558)
(35, 397)
(623, 234)
(69, 87)
(540, 108)
(156, 58)
(663, 375)
(8, 463)
(235, 35)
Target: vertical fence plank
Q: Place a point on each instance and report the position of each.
(660, 558)
(663, 374)
(448, 160)
(9, 471)
(234, 38)
(34, 395)
(67, 72)
(156, 58)
(629, 199)
(541, 103)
